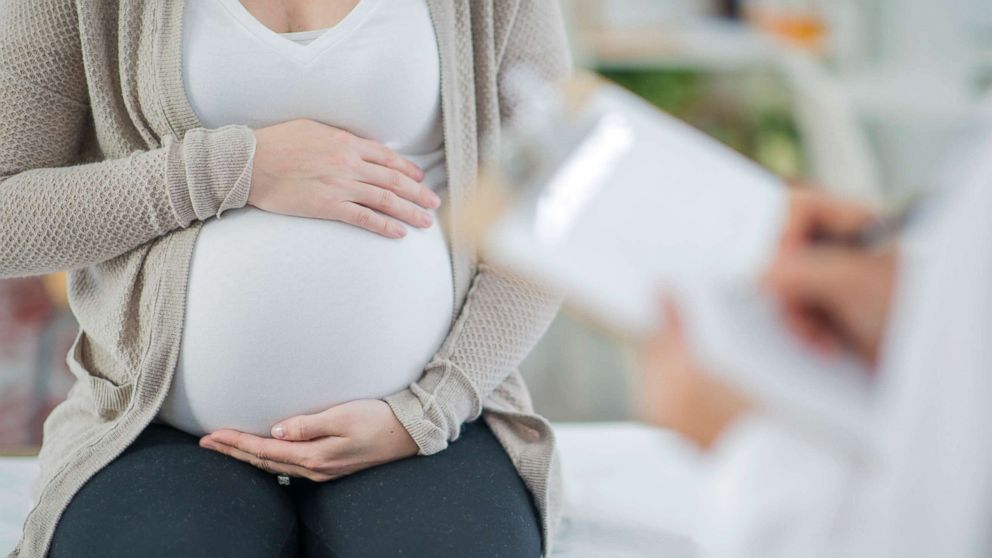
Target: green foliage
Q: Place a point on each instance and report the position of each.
(674, 91)
(751, 114)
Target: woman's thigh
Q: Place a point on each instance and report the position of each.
(166, 496)
(467, 500)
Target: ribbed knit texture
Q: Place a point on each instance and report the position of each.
(106, 171)
(470, 365)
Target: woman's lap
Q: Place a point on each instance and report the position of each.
(166, 496)
(465, 501)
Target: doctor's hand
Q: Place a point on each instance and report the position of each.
(676, 392)
(305, 168)
(813, 214)
(836, 295)
(334, 443)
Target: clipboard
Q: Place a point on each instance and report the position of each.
(605, 197)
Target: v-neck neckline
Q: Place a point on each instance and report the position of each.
(304, 54)
(309, 36)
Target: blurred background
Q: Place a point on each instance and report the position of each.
(861, 96)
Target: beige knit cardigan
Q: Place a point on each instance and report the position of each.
(105, 171)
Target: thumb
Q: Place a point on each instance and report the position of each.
(308, 427)
(673, 318)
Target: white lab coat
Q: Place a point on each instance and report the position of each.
(921, 484)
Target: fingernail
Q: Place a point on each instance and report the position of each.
(278, 431)
(398, 232)
(426, 220)
(435, 201)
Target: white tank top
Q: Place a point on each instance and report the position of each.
(288, 315)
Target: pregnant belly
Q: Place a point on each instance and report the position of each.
(289, 316)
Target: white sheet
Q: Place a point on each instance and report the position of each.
(630, 492)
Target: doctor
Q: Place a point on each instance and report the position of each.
(920, 314)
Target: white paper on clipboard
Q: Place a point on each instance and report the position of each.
(644, 201)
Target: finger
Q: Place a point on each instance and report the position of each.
(375, 152)
(661, 341)
(309, 427)
(399, 184)
(833, 214)
(841, 217)
(810, 327)
(264, 448)
(267, 465)
(813, 214)
(365, 218)
(822, 276)
(824, 286)
(385, 201)
(673, 318)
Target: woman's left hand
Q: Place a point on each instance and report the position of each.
(339, 441)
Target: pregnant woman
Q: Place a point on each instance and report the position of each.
(282, 350)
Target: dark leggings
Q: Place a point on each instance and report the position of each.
(166, 496)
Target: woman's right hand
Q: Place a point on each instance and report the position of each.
(304, 168)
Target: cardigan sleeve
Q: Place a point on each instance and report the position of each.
(56, 214)
(503, 316)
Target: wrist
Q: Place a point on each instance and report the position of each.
(717, 406)
(409, 411)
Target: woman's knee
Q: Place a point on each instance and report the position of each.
(465, 501)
